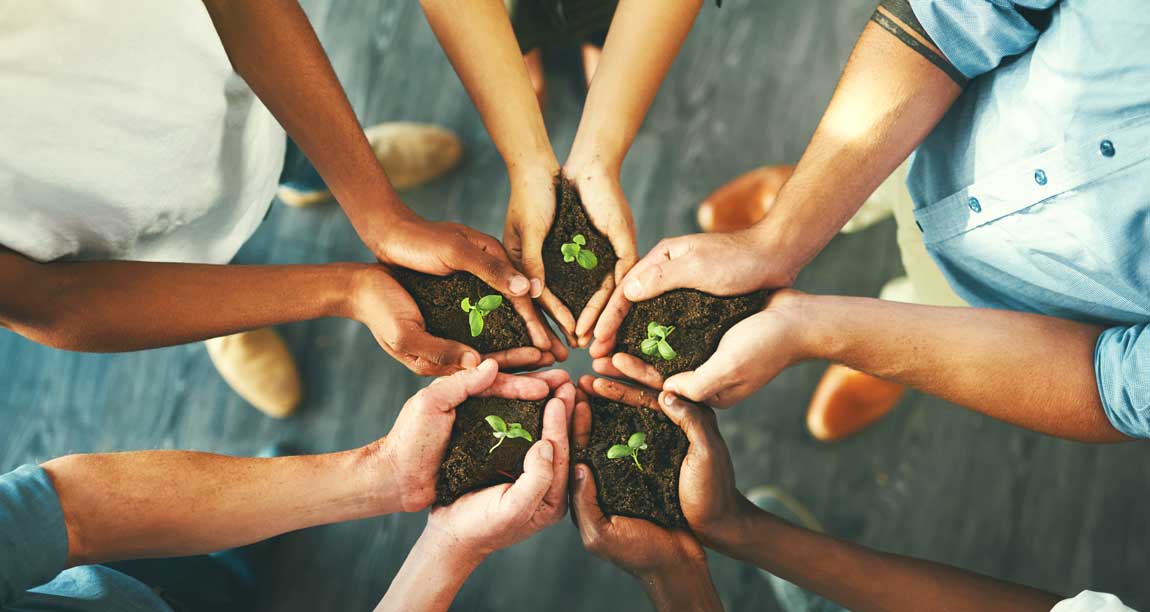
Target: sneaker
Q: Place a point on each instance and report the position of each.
(258, 366)
(791, 597)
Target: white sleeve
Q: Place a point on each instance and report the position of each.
(1089, 601)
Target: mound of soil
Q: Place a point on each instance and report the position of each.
(570, 282)
(438, 298)
(651, 493)
(699, 319)
(468, 466)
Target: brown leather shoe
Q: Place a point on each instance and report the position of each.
(743, 201)
(848, 401)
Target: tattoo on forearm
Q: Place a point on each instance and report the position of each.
(897, 17)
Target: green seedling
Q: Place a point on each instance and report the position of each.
(656, 341)
(575, 251)
(485, 306)
(636, 443)
(503, 431)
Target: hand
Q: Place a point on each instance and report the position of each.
(408, 241)
(482, 522)
(749, 356)
(607, 207)
(409, 456)
(382, 304)
(720, 264)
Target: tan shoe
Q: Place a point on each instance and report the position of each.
(414, 153)
(258, 367)
(848, 401)
(742, 202)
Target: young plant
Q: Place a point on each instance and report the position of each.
(503, 431)
(656, 341)
(575, 251)
(475, 313)
(636, 443)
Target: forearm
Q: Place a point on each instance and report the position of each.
(124, 306)
(685, 586)
(478, 39)
(865, 580)
(175, 503)
(433, 572)
(887, 101)
(273, 47)
(1030, 370)
(644, 38)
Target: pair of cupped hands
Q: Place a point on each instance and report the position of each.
(487, 520)
(750, 354)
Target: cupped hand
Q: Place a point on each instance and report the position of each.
(482, 522)
(409, 456)
(720, 264)
(610, 213)
(385, 307)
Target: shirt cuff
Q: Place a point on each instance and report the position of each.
(1121, 365)
(975, 35)
(33, 537)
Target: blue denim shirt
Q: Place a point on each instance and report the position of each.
(1033, 192)
(34, 553)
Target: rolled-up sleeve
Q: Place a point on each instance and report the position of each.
(33, 539)
(1122, 366)
(976, 35)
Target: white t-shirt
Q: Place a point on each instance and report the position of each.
(126, 134)
(1089, 601)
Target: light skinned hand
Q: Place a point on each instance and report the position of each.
(411, 452)
(484, 521)
(749, 355)
(385, 307)
(720, 264)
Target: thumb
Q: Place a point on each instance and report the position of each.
(585, 504)
(696, 385)
(690, 417)
(485, 258)
(656, 279)
(449, 391)
(527, 492)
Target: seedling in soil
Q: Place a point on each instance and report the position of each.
(656, 341)
(504, 431)
(575, 251)
(636, 443)
(485, 306)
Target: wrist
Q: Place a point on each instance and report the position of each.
(529, 167)
(593, 159)
(684, 585)
(820, 332)
(449, 551)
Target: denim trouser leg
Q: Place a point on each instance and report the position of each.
(298, 172)
(222, 582)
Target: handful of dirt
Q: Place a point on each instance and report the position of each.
(570, 276)
(439, 299)
(470, 463)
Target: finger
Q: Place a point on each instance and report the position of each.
(516, 357)
(448, 392)
(508, 386)
(484, 257)
(603, 367)
(536, 328)
(666, 269)
(607, 326)
(637, 370)
(581, 425)
(592, 310)
(586, 385)
(558, 348)
(626, 394)
(560, 314)
(555, 431)
(580, 395)
(522, 498)
(702, 384)
(566, 394)
(585, 509)
(698, 422)
(553, 378)
(531, 242)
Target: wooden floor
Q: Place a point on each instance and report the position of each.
(932, 480)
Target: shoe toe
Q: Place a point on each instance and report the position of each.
(259, 367)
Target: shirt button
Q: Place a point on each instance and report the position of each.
(1040, 176)
(974, 205)
(1107, 148)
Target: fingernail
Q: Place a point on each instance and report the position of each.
(536, 287)
(669, 399)
(519, 285)
(469, 360)
(580, 472)
(547, 452)
(633, 289)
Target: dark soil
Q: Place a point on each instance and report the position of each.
(467, 465)
(651, 494)
(700, 320)
(438, 298)
(570, 282)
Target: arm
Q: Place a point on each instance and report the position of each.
(174, 503)
(644, 38)
(854, 576)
